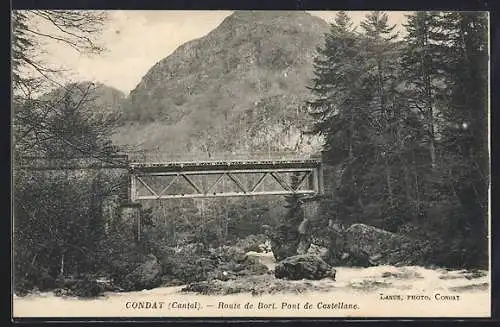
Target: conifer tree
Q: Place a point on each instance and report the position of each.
(334, 88)
(338, 106)
(420, 66)
(380, 54)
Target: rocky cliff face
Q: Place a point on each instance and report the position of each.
(240, 87)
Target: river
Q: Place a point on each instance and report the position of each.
(382, 291)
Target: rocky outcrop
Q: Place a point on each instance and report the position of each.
(362, 245)
(87, 287)
(256, 243)
(304, 267)
(318, 251)
(284, 240)
(225, 263)
(264, 258)
(371, 240)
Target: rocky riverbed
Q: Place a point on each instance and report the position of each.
(374, 291)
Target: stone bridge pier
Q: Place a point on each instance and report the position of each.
(130, 214)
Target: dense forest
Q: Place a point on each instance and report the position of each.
(406, 121)
(405, 124)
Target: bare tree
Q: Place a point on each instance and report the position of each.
(35, 111)
(32, 30)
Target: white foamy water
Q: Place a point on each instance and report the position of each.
(421, 291)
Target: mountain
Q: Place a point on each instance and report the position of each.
(241, 87)
(98, 96)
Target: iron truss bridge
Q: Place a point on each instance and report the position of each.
(228, 178)
(202, 178)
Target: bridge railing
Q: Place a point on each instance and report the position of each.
(226, 156)
(123, 160)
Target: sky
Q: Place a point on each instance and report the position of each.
(136, 40)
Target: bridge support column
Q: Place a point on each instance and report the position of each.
(311, 209)
(328, 177)
(131, 217)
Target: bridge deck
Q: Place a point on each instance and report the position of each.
(223, 165)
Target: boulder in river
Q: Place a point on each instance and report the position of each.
(252, 243)
(304, 267)
(367, 245)
(371, 240)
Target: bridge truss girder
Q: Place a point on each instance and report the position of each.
(308, 181)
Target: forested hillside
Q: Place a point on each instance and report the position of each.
(406, 122)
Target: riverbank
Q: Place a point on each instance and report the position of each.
(382, 291)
